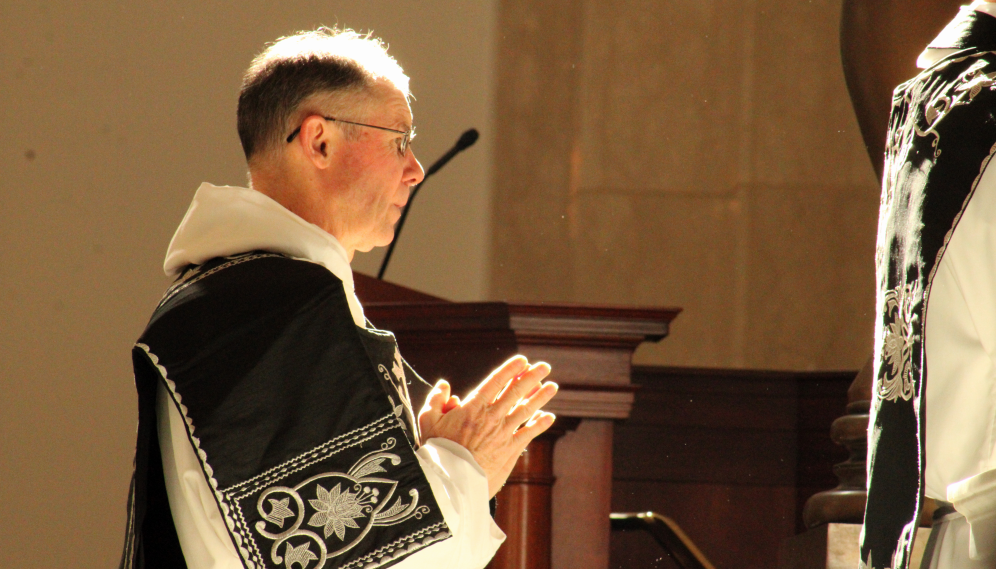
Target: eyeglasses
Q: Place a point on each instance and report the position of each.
(402, 147)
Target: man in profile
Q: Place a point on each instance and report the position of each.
(276, 424)
(933, 435)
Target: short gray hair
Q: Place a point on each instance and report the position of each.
(326, 62)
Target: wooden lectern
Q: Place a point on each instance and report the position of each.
(548, 525)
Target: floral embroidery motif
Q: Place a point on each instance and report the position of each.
(974, 82)
(357, 501)
(336, 510)
(399, 410)
(897, 344)
(279, 512)
(300, 555)
(969, 84)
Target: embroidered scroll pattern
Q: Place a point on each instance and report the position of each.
(276, 512)
(896, 379)
(400, 384)
(298, 463)
(279, 509)
(935, 106)
(342, 507)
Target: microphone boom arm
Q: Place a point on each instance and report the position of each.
(467, 139)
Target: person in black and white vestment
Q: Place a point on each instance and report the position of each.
(276, 423)
(933, 419)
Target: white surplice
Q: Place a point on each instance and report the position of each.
(224, 221)
(960, 341)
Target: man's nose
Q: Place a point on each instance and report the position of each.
(414, 174)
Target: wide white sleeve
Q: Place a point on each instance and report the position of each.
(960, 343)
(199, 526)
(459, 485)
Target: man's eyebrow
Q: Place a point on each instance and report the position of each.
(402, 122)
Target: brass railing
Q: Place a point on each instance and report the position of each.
(667, 533)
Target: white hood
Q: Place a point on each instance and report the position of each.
(226, 220)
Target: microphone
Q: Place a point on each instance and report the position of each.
(466, 140)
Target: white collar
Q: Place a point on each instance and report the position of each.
(931, 56)
(227, 220)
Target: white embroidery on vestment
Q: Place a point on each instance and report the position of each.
(189, 424)
(897, 344)
(337, 505)
(400, 384)
(400, 547)
(361, 491)
(968, 85)
(195, 274)
(340, 499)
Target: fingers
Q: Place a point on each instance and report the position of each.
(489, 389)
(451, 404)
(540, 422)
(521, 386)
(537, 425)
(482, 423)
(527, 408)
(434, 406)
(438, 397)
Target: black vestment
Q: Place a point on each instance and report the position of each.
(301, 420)
(942, 134)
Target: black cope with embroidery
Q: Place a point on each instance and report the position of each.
(302, 421)
(941, 137)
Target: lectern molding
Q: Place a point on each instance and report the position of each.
(590, 349)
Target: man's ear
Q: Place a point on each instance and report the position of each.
(318, 140)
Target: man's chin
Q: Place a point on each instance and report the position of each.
(383, 242)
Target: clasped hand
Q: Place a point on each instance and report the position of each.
(497, 420)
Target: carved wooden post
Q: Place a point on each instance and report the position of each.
(525, 504)
(832, 516)
(846, 502)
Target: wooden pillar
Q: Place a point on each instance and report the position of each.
(524, 510)
(846, 503)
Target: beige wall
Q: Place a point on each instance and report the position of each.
(111, 114)
(700, 154)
